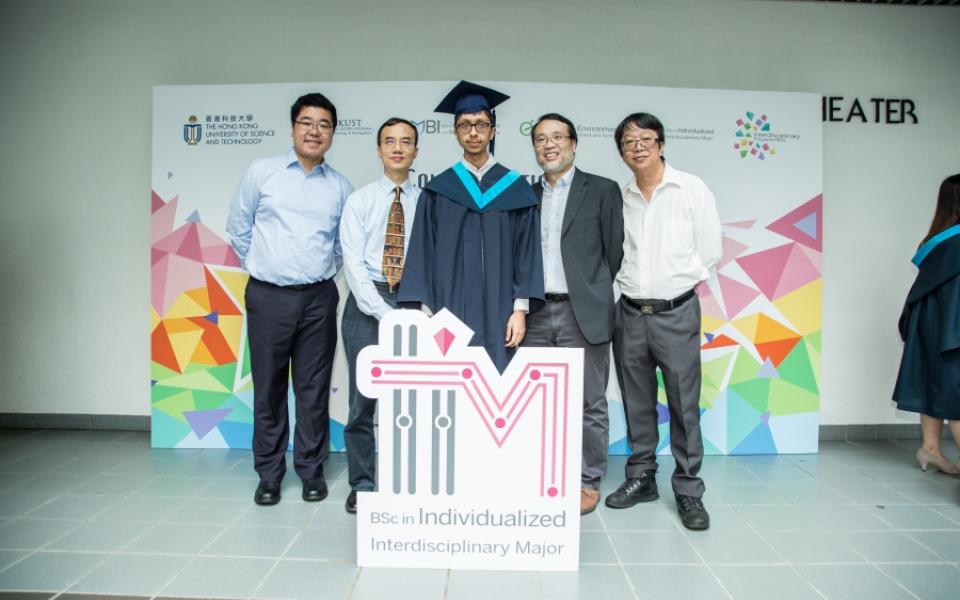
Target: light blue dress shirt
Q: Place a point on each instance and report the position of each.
(552, 209)
(283, 221)
(362, 232)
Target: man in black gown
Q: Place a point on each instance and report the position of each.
(475, 245)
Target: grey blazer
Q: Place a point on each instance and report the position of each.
(591, 247)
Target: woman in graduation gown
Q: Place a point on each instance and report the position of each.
(929, 378)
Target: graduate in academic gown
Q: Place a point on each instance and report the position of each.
(929, 378)
(475, 244)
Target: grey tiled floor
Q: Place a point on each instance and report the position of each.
(92, 512)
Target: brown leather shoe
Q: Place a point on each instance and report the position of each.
(588, 500)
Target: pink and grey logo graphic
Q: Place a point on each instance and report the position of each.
(426, 366)
(753, 136)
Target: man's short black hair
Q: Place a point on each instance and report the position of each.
(643, 121)
(398, 121)
(571, 130)
(313, 99)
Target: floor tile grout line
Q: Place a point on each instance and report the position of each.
(780, 554)
(686, 536)
(897, 583)
(198, 554)
(283, 553)
(353, 582)
(616, 554)
(75, 581)
(924, 546)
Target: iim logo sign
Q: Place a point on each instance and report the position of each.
(526, 127)
(753, 137)
(192, 131)
(476, 468)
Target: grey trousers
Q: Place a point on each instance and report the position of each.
(360, 330)
(670, 341)
(555, 326)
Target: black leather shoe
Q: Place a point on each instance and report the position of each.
(692, 513)
(351, 504)
(314, 490)
(267, 494)
(632, 491)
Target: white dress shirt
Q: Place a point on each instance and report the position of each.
(482, 170)
(671, 242)
(362, 232)
(552, 209)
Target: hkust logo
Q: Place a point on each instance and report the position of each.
(192, 131)
(754, 136)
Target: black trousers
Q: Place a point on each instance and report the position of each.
(291, 331)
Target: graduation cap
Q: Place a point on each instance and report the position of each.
(467, 97)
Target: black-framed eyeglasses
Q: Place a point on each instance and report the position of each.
(322, 126)
(645, 142)
(541, 140)
(481, 126)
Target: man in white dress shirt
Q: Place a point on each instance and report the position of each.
(374, 235)
(672, 240)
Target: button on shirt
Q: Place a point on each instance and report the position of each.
(553, 207)
(362, 232)
(283, 221)
(671, 243)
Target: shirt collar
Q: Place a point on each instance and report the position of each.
(387, 185)
(290, 159)
(670, 177)
(483, 169)
(565, 180)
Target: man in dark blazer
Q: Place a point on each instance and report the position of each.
(581, 218)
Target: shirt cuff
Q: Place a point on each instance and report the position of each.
(521, 304)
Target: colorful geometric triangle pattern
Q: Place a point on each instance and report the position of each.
(760, 343)
(200, 364)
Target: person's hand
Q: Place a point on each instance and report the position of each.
(516, 327)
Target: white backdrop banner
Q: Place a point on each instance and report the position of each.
(760, 153)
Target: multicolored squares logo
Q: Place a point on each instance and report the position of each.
(746, 144)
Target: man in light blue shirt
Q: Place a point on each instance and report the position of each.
(374, 232)
(283, 224)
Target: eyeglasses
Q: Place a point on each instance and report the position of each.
(482, 126)
(321, 127)
(645, 142)
(541, 140)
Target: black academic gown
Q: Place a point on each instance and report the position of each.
(474, 255)
(929, 378)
